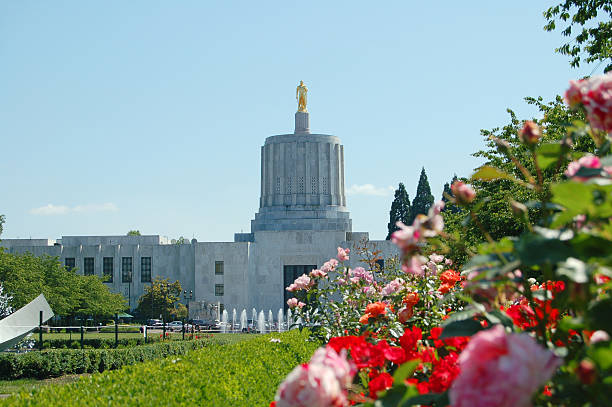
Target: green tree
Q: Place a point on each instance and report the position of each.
(589, 25)
(423, 199)
(133, 233)
(69, 294)
(448, 193)
(159, 298)
(400, 209)
(496, 215)
(2, 219)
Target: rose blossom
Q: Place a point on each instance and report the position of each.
(292, 302)
(413, 266)
(303, 282)
(436, 258)
(337, 362)
(406, 238)
(393, 286)
(343, 254)
(595, 94)
(330, 265)
(318, 273)
(313, 385)
(599, 336)
(530, 133)
(586, 161)
(361, 273)
(464, 194)
(500, 369)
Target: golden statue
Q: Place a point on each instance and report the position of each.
(300, 95)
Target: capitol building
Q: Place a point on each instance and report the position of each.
(302, 219)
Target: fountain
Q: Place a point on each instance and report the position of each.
(280, 320)
(254, 318)
(234, 320)
(224, 321)
(243, 321)
(261, 323)
(270, 320)
(289, 319)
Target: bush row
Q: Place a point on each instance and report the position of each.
(57, 362)
(242, 374)
(96, 343)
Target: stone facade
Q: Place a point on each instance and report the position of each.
(301, 221)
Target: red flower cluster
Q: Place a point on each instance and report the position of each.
(372, 311)
(448, 278)
(524, 316)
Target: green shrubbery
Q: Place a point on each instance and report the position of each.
(240, 374)
(57, 362)
(96, 343)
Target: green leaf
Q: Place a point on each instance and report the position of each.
(435, 399)
(404, 371)
(487, 173)
(466, 327)
(548, 154)
(602, 356)
(534, 249)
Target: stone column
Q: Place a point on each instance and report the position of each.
(302, 122)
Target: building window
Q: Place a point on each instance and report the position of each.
(290, 273)
(314, 185)
(325, 186)
(288, 191)
(301, 185)
(278, 185)
(126, 269)
(381, 264)
(145, 269)
(219, 268)
(88, 266)
(219, 290)
(69, 262)
(107, 269)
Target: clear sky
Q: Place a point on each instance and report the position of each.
(150, 115)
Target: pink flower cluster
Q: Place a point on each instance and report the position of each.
(587, 161)
(293, 302)
(303, 282)
(343, 254)
(322, 382)
(360, 274)
(329, 266)
(500, 369)
(595, 94)
(410, 238)
(393, 286)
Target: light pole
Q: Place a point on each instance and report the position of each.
(164, 289)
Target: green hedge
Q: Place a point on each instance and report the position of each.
(58, 362)
(242, 374)
(96, 343)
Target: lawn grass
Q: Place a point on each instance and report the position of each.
(8, 387)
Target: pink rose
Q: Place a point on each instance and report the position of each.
(300, 305)
(313, 385)
(413, 266)
(464, 194)
(330, 265)
(595, 94)
(406, 238)
(393, 286)
(292, 302)
(587, 161)
(361, 274)
(337, 362)
(599, 336)
(501, 369)
(318, 273)
(343, 254)
(436, 258)
(303, 282)
(530, 133)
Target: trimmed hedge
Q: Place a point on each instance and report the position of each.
(242, 374)
(95, 343)
(58, 362)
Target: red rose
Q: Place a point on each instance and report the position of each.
(381, 382)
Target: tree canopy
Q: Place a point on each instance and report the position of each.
(133, 233)
(161, 298)
(423, 199)
(69, 294)
(400, 209)
(589, 25)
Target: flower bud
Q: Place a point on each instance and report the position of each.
(464, 194)
(502, 145)
(599, 336)
(530, 133)
(586, 372)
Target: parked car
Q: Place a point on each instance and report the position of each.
(175, 326)
(155, 323)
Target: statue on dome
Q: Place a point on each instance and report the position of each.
(300, 95)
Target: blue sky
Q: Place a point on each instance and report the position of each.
(150, 115)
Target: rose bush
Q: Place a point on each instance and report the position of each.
(524, 322)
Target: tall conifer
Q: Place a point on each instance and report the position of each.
(448, 192)
(423, 199)
(400, 209)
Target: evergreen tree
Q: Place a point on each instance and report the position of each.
(449, 193)
(400, 209)
(423, 199)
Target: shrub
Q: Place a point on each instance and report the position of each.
(57, 362)
(246, 373)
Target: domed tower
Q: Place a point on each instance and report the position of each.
(302, 179)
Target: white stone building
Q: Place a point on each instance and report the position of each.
(302, 219)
